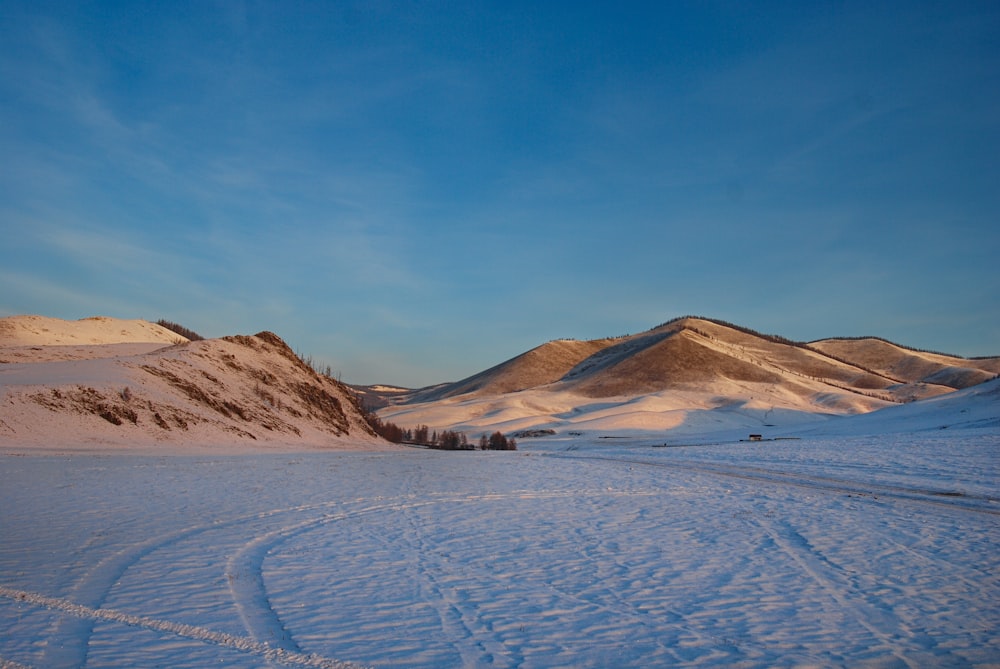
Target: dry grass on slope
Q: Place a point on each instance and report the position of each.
(691, 351)
(271, 387)
(675, 361)
(680, 353)
(213, 392)
(909, 365)
(540, 366)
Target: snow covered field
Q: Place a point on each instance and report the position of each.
(838, 551)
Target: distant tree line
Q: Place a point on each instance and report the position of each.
(497, 442)
(179, 329)
(446, 440)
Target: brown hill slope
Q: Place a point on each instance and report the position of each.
(659, 361)
(683, 353)
(910, 366)
(242, 391)
(540, 366)
(690, 376)
(691, 352)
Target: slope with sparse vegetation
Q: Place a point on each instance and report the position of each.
(233, 390)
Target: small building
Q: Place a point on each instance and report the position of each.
(756, 437)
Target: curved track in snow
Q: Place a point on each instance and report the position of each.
(946, 498)
(614, 558)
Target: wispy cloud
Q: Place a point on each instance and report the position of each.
(383, 173)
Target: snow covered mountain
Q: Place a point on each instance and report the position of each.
(669, 377)
(133, 383)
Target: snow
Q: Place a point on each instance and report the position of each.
(642, 533)
(851, 550)
(727, 405)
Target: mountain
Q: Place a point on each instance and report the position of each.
(115, 383)
(656, 379)
(101, 381)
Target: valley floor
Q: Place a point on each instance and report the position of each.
(856, 551)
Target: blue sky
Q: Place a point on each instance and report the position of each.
(414, 192)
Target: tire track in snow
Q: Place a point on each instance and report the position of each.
(949, 500)
(956, 501)
(246, 585)
(68, 642)
(455, 621)
(667, 617)
(263, 622)
(244, 573)
(949, 567)
(611, 601)
(464, 623)
(881, 624)
(244, 570)
(242, 644)
(71, 636)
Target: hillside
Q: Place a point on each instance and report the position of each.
(96, 330)
(911, 366)
(126, 384)
(975, 407)
(663, 378)
(540, 366)
(696, 351)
